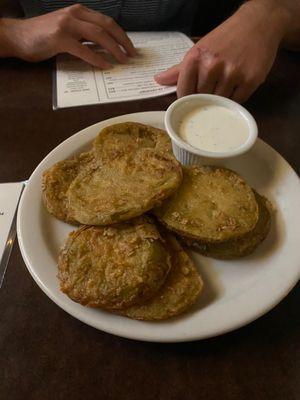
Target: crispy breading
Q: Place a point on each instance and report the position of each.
(56, 182)
(118, 140)
(213, 204)
(135, 171)
(244, 245)
(113, 267)
(180, 291)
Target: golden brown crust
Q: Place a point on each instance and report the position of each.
(135, 171)
(180, 291)
(213, 204)
(242, 246)
(56, 181)
(118, 140)
(113, 267)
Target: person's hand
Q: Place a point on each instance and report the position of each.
(233, 59)
(63, 31)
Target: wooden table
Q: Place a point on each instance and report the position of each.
(47, 354)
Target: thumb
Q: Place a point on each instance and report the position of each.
(168, 77)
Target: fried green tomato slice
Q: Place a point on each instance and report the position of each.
(180, 291)
(131, 176)
(213, 204)
(243, 246)
(56, 182)
(118, 140)
(113, 267)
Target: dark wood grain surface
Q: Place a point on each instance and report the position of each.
(47, 354)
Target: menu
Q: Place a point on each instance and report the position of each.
(77, 83)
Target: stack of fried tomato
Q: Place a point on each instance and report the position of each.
(134, 203)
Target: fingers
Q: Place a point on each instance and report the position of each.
(101, 37)
(227, 83)
(209, 73)
(118, 34)
(229, 80)
(201, 72)
(238, 85)
(168, 77)
(243, 92)
(107, 23)
(225, 88)
(188, 77)
(85, 53)
(198, 75)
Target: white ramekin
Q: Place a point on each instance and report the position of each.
(187, 154)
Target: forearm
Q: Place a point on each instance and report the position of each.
(6, 43)
(285, 17)
(291, 39)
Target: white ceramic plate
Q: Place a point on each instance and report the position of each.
(235, 293)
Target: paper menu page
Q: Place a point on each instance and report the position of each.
(78, 83)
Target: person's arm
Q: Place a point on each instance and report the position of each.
(291, 37)
(42, 37)
(235, 58)
(5, 50)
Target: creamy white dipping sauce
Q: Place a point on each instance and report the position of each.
(213, 128)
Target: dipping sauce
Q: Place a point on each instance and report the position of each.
(213, 128)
